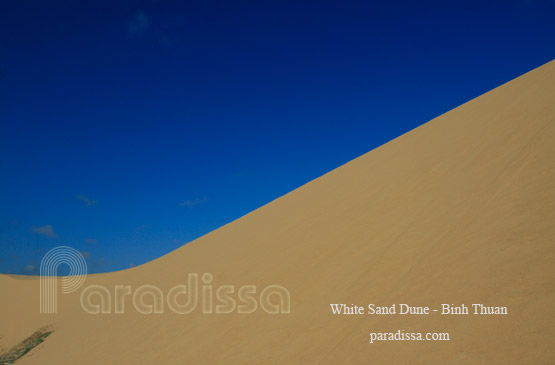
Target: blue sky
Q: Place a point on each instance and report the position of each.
(129, 128)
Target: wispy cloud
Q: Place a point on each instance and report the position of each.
(46, 230)
(86, 254)
(139, 23)
(30, 269)
(89, 202)
(192, 203)
(100, 265)
(91, 240)
(142, 227)
(180, 243)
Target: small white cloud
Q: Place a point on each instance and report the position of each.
(86, 254)
(192, 203)
(86, 200)
(46, 230)
(30, 270)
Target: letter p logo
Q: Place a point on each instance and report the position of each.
(49, 281)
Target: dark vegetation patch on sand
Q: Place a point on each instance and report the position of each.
(19, 350)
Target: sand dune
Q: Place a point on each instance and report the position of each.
(459, 210)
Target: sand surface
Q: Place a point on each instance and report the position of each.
(459, 210)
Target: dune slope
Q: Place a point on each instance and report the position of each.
(459, 210)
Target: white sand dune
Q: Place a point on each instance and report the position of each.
(459, 210)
